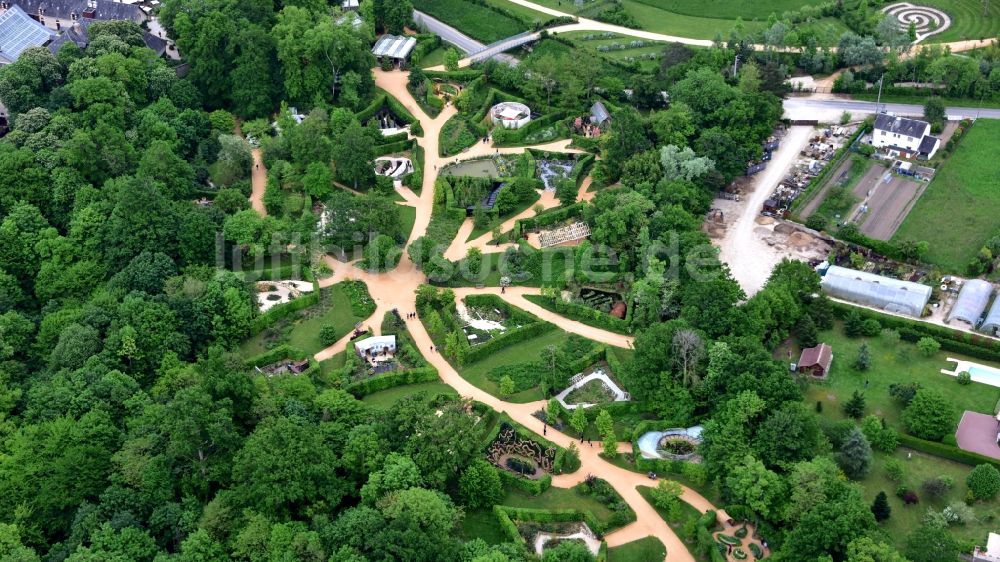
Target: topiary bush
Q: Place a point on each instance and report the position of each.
(741, 532)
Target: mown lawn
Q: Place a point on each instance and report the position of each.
(729, 9)
(888, 367)
(522, 352)
(434, 58)
(384, 399)
(959, 209)
(967, 20)
(918, 468)
(649, 549)
(558, 498)
(474, 20)
(407, 216)
(301, 329)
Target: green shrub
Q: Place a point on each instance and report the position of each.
(328, 335)
(984, 482)
(390, 380)
(964, 378)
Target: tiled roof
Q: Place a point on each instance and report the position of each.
(900, 125)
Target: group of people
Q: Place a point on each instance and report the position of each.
(411, 315)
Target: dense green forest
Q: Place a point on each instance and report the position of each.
(133, 429)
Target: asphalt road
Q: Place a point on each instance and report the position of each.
(831, 109)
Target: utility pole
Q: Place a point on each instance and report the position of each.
(878, 100)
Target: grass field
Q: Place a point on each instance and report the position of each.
(967, 21)
(474, 20)
(523, 12)
(302, 328)
(407, 216)
(523, 352)
(730, 9)
(384, 399)
(918, 468)
(649, 549)
(959, 209)
(887, 368)
(434, 57)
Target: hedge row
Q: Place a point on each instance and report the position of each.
(557, 463)
(533, 487)
(582, 313)
(965, 343)
(943, 450)
(493, 301)
(507, 339)
(810, 191)
(394, 147)
(390, 380)
(395, 138)
(381, 100)
(506, 525)
(546, 516)
(546, 218)
(581, 169)
(415, 181)
(585, 143)
(463, 76)
(276, 354)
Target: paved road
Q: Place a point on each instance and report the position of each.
(831, 109)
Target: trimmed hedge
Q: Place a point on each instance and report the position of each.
(508, 526)
(395, 138)
(546, 218)
(393, 147)
(546, 516)
(581, 313)
(943, 450)
(279, 353)
(390, 380)
(506, 340)
(384, 99)
(533, 487)
(973, 345)
(463, 76)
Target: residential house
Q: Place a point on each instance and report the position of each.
(816, 361)
(900, 136)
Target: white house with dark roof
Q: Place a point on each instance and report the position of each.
(906, 137)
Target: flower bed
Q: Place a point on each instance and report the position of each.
(756, 550)
(726, 539)
(741, 532)
(739, 554)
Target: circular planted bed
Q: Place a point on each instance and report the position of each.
(739, 554)
(678, 447)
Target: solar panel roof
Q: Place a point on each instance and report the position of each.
(19, 32)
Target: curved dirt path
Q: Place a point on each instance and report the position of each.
(461, 245)
(258, 183)
(515, 297)
(396, 289)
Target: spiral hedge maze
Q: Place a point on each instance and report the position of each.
(508, 443)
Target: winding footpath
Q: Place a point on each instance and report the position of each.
(396, 289)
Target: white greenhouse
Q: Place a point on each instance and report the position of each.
(971, 303)
(992, 323)
(876, 291)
